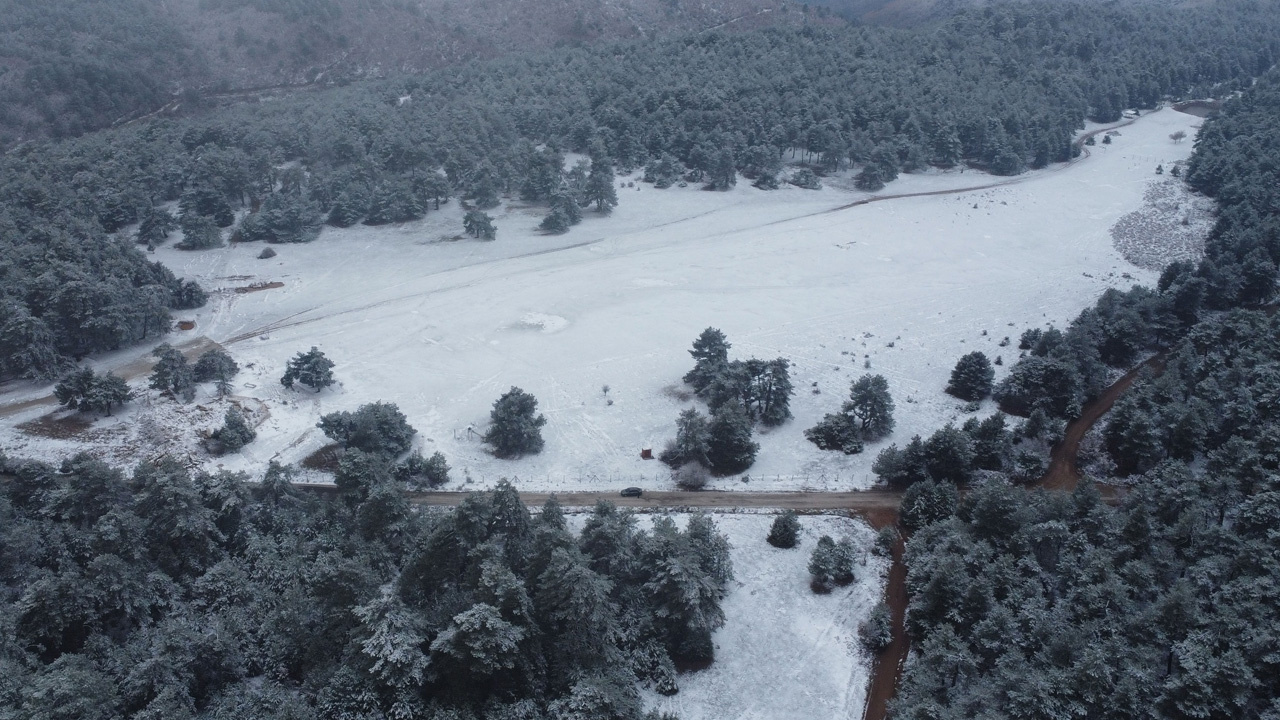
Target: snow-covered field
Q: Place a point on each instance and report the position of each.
(784, 652)
(442, 326)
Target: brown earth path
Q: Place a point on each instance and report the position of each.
(129, 371)
(1063, 473)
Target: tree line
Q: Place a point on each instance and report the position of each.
(170, 593)
(1032, 604)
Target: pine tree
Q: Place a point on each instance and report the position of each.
(235, 432)
(871, 406)
(109, 390)
(972, 377)
(478, 224)
(214, 364)
(310, 368)
(730, 449)
(515, 426)
(199, 233)
(722, 175)
(84, 390)
(927, 502)
(172, 374)
(876, 632)
(155, 227)
(710, 353)
(785, 530)
(823, 565)
(555, 223)
(690, 445)
(600, 188)
(378, 428)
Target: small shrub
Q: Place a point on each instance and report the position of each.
(876, 632)
(691, 476)
(785, 531)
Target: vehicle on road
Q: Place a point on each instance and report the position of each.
(632, 492)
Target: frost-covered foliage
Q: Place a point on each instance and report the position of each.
(143, 595)
(1165, 605)
(866, 416)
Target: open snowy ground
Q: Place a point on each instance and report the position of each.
(784, 652)
(442, 326)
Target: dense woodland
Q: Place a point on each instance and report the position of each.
(167, 594)
(1047, 605)
(1002, 89)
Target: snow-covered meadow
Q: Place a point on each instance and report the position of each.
(442, 325)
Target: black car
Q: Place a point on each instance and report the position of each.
(632, 492)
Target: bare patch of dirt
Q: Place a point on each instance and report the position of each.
(258, 287)
(74, 425)
(1199, 108)
(325, 459)
(186, 324)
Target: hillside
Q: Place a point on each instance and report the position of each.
(71, 66)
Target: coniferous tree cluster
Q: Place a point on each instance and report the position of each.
(86, 390)
(167, 593)
(739, 393)
(866, 416)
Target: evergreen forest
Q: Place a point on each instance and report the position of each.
(170, 594)
(1162, 602)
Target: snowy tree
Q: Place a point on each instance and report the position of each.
(927, 502)
(866, 415)
(690, 445)
(85, 390)
(478, 644)
(710, 353)
(379, 428)
(555, 222)
(424, 472)
(871, 406)
(600, 188)
(392, 640)
(722, 175)
(824, 564)
(310, 368)
(876, 632)
(730, 448)
(478, 224)
(515, 427)
(155, 227)
(172, 374)
(785, 530)
(972, 377)
(235, 432)
(215, 365)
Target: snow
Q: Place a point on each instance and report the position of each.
(440, 324)
(784, 652)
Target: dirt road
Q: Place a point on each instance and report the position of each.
(875, 501)
(1063, 473)
(129, 371)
